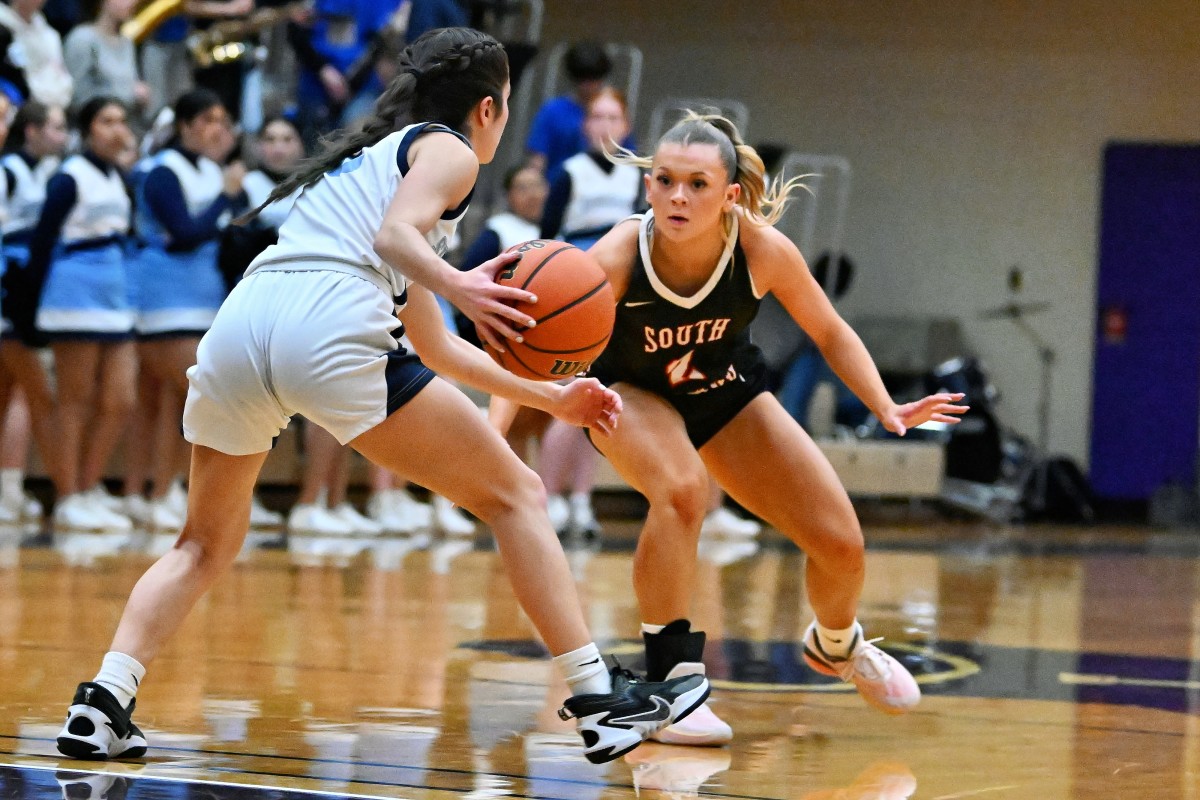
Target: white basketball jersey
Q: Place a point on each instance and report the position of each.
(511, 229)
(599, 199)
(258, 186)
(28, 191)
(336, 219)
(101, 203)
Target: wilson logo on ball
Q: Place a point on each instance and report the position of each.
(575, 311)
(564, 368)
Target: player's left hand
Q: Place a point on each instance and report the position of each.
(935, 407)
(587, 403)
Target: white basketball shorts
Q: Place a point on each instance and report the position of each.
(314, 342)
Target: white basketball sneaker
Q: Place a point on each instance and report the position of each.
(702, 728)
(881, 680)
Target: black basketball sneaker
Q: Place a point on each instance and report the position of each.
(613, 724)
(98, 728)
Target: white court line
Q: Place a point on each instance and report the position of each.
(1084, 679)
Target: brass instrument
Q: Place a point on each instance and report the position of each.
(151, 14)
(224, 42)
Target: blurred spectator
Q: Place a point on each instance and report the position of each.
(279, 151)
(37, 50)
(556, 133)
(591, 194)
(407, 22)
(32, 154)
(103, 62)
(166, 63)
(63, 15)
(226, 79)
(78, 246)
(12, 78)
(336, 52)
(525, 192)
(184, 200)
(425, 15)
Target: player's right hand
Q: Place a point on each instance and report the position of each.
(489, 304)
(587, 403)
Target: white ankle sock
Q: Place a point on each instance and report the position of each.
(836, 642)
(580, 500)
(585, 670)
(648, 628)
(121, 675)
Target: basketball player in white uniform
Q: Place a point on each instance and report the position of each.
(312, 330)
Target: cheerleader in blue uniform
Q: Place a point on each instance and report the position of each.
(77, 264)
(184, 201)
(33, 153)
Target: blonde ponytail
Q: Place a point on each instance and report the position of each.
(763, 203)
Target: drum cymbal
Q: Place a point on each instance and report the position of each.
(1010, 310)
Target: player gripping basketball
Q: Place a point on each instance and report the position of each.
(312, 330)
(689, 275)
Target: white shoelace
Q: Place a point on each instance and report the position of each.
(868, 661)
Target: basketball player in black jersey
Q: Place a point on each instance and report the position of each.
(688, 276)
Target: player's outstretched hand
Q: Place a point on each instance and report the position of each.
(935, 407)
(587, 403)
(489, 304)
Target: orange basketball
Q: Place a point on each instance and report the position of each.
(575, 311)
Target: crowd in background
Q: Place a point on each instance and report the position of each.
(124, 166)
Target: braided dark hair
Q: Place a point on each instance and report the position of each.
(443, 75)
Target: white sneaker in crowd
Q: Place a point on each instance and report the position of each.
(361, 526)
(398, 512)
(137, 508)
(21, 506)
(723, 522)
(99, 494)
(559, 511)
(449, 519)
(314, 519)
(162, 517)
(583, 519)
(84, 512)
(263, 517)
(177, 498)
(31, 507)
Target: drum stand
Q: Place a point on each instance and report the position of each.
(1012, 499)
(1033, 476)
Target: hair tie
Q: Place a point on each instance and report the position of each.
(415, 72)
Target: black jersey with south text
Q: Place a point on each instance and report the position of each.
(678, 346)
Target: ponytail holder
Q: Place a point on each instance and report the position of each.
(415, 72)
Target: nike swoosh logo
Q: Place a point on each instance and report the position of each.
(639, 303)
(660, 713)
(589, 663)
